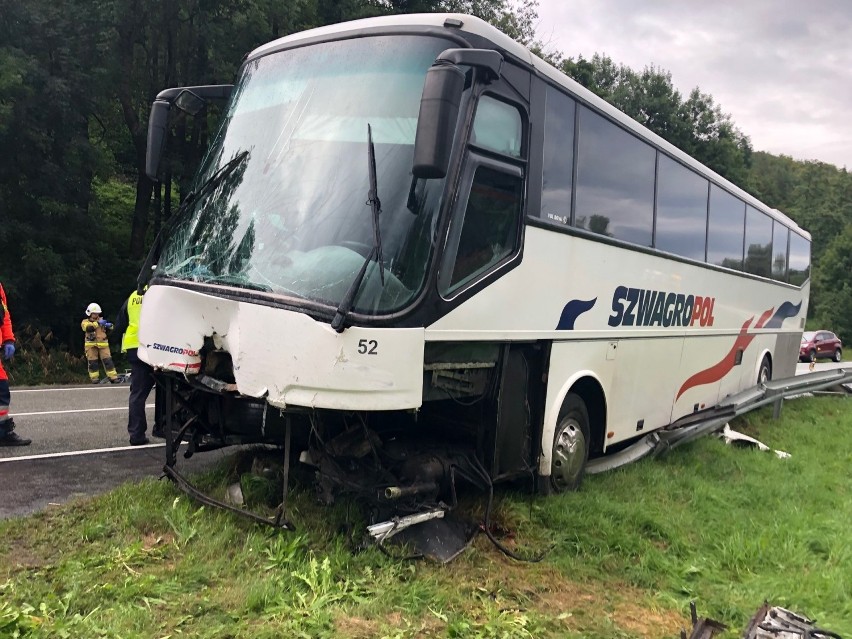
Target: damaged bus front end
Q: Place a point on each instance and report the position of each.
(288, 301)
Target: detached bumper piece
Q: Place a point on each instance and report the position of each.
(430, 534)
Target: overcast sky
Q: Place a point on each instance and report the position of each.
(781, 68)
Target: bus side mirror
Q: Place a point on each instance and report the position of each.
(157, 123)
(191, 100)
(439, 107)
(436, 124)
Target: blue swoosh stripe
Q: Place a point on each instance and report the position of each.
(572, 311)
(787, 309)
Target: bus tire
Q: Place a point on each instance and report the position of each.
(765, 373)
(570, 450)
(838, 355)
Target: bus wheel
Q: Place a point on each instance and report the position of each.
(570, 446)
(765, 373)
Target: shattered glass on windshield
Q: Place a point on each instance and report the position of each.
(290, 217)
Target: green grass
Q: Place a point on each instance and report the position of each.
(724, 526)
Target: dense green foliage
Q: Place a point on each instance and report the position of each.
(819, 197)
(77, 213)
(724, 526)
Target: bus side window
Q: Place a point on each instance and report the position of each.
(614, 192)
(800, 259)
(780, 243)
(725, 229)
(558, 162)
(489, 228)
(758, 242)
(497, 127)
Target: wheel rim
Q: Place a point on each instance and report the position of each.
(838, 355)
(764, 375)
(569, 454)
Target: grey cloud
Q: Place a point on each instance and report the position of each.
(782, 69)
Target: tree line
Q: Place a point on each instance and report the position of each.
(77, 78)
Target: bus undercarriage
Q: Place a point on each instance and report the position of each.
(480, 423)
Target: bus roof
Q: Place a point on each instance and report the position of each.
(505, 44)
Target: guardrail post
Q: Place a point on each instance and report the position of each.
(776, 411)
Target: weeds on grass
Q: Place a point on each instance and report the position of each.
(52, 619)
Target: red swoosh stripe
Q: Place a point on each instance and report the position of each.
(718, 371)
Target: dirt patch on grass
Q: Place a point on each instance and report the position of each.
(156, 540)
(353, 627)
(21, 558)
(648, 622)
(622, 605)
(547, 591)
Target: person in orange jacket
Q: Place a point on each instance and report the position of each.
(97, 347)
(8, 437)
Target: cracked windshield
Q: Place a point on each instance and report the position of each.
(282, 201)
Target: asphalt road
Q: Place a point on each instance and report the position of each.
(80, 447)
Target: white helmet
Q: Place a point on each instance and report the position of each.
(93, 308)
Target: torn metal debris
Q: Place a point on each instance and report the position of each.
(775, 622)
(769, 622)
(704, 628)
(733, 437)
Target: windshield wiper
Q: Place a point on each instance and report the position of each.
(375, 203)
(376, 253)
(212, 182)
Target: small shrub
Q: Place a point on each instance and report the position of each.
(40, 359)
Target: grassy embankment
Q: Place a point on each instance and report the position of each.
(726, 527)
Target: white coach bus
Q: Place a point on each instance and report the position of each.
(413, 242)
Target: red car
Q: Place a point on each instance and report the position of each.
(820, 345)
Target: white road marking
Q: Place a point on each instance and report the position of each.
(55, 390)
(78, 410)
(75, 453)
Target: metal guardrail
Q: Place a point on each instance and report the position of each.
(698, 424)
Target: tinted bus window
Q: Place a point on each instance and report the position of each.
(681, 210)
(780, 237)
(615, 181)
(558, 168)
(800, 259)
(726, 225)
(497, 127)
(489, 228)
(758, 243)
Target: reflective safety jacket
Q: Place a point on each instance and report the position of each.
(133, 309)
(96, 335)
(6, 334)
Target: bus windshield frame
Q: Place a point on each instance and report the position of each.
(288, 213)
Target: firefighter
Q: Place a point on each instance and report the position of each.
(96, 329)
(7, 425)
(141, 375)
